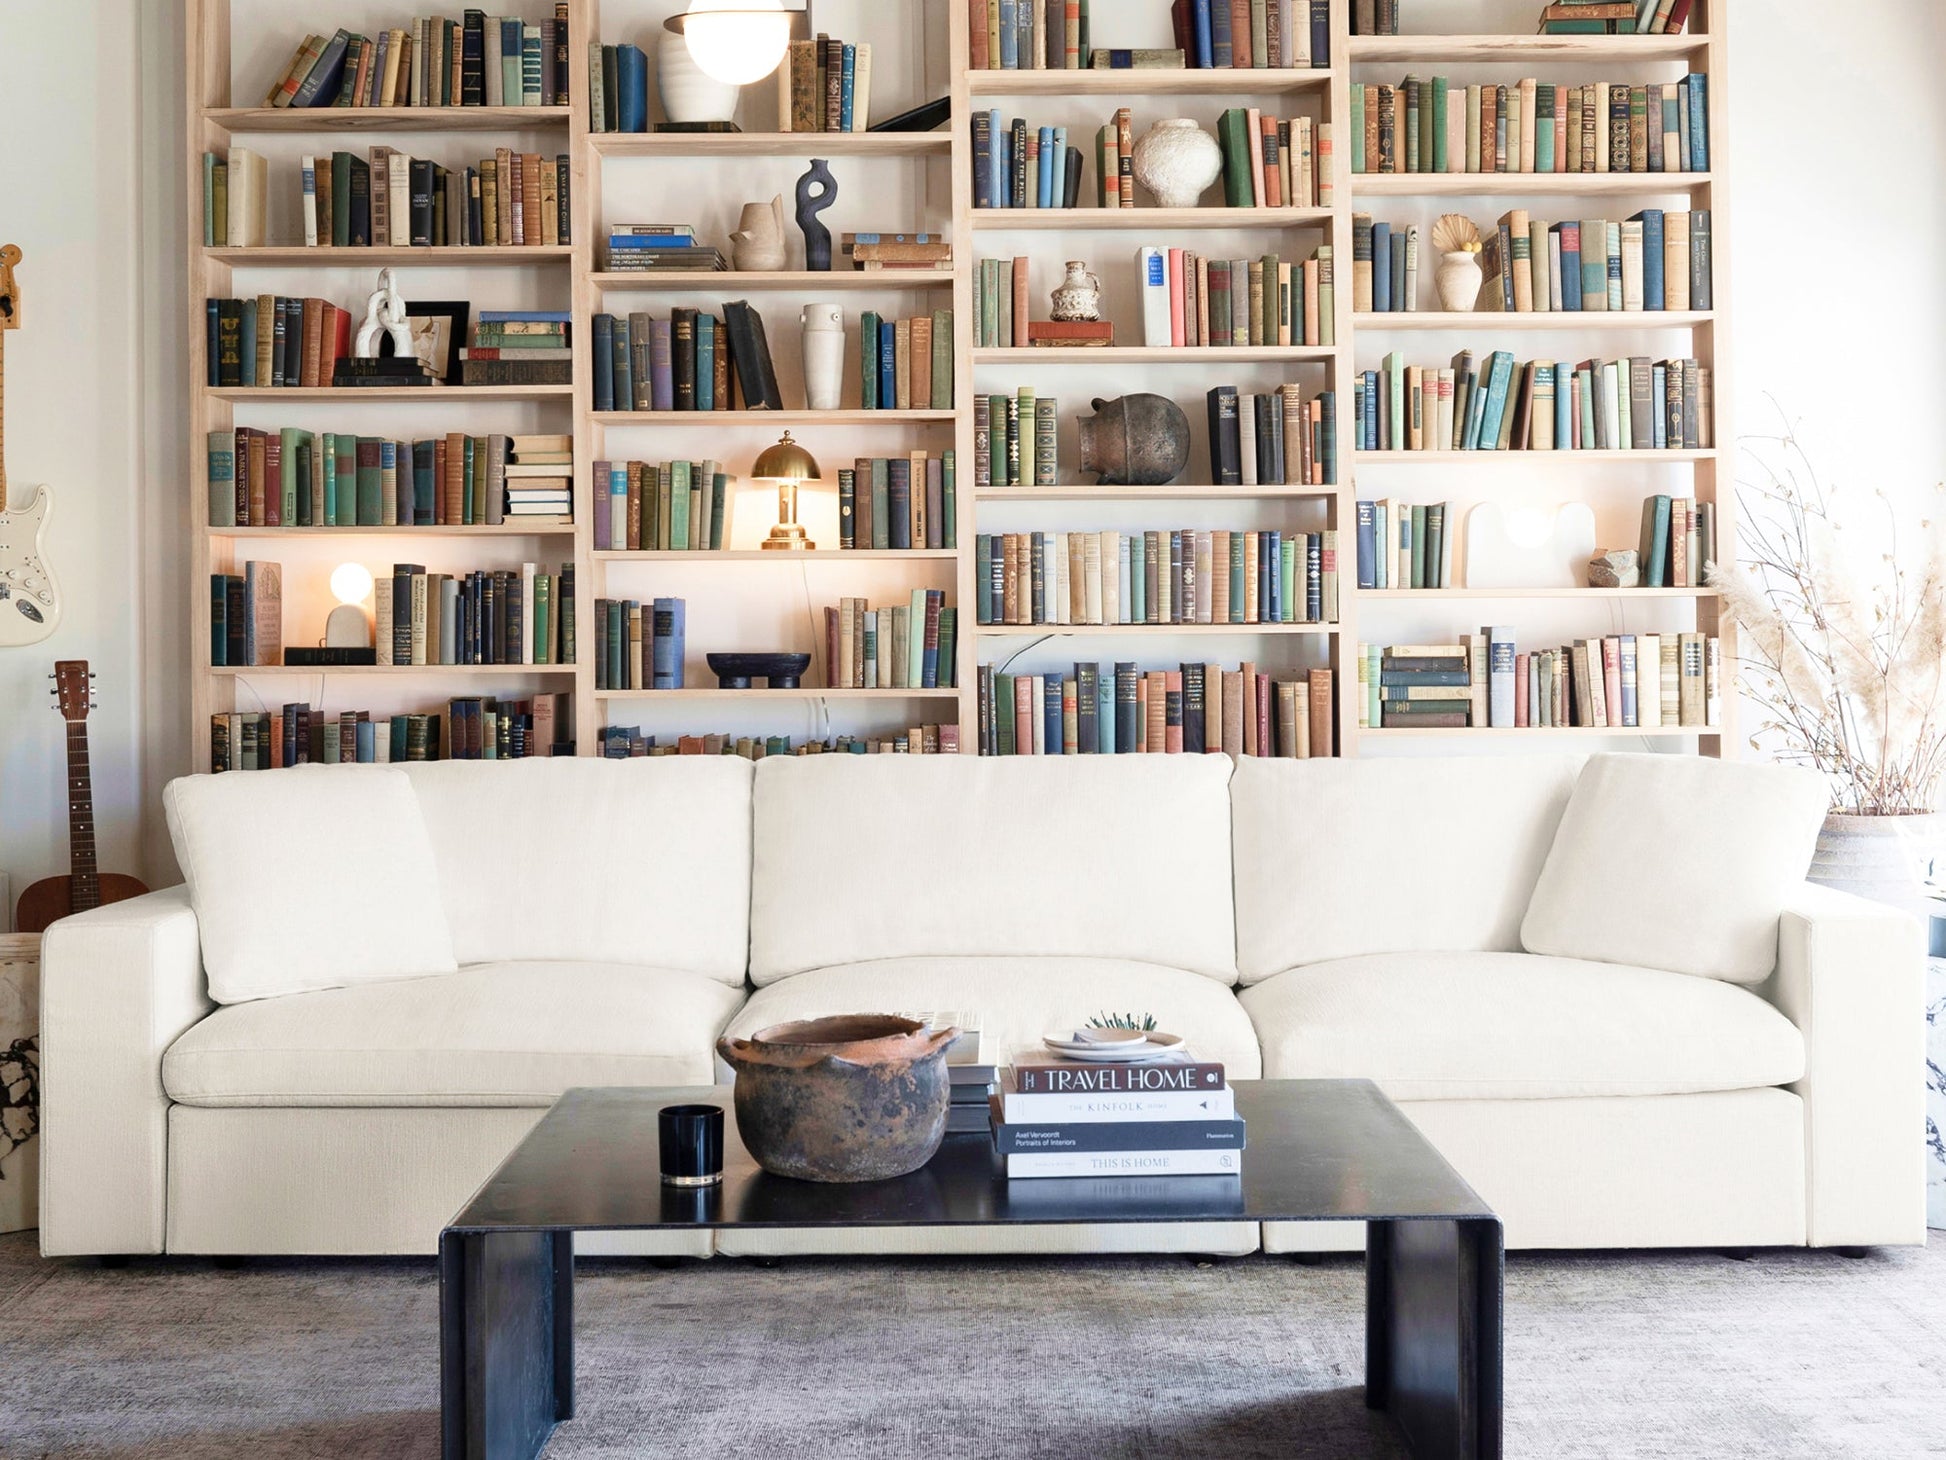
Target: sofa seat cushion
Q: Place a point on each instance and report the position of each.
(1511, 1026)
(492, 1034)
(1017, 1000)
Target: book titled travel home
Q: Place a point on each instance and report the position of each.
(1069, 1077)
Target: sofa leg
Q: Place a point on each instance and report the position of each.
(1739, 1254)
(113, 1261)
(1308, 1259)
(764, 1262)
(1854, 1253)
(665, 1264)
(227, 1262)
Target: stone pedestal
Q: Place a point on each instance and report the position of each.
(20, 1079)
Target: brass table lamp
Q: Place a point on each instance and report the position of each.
(790, 466)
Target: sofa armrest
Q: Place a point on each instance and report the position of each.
(1851, 976)
(118, 985)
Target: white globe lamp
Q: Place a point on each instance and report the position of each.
(735, 41)
(347, 627)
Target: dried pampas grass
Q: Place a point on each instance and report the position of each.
(1847, 658)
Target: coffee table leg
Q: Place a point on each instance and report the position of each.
(1432, 1333)
(506, 1341)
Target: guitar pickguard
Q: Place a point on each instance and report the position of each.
(30, 600)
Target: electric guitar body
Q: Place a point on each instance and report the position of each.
(30, 599)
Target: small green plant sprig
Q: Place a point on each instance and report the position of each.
(1122, 1021)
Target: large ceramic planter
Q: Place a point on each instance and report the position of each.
(1885, 858)
(858, 1097)
(1177, 160)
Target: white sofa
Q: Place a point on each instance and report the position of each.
(600, 922)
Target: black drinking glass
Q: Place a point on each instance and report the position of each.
(692, 1144)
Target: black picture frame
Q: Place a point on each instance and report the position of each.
(448, 318)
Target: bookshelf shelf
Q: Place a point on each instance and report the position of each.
(1142, 220)
(730, 282)
(1557, 594)
(1524, 184)
(1525, 50)
(809, 693)
(1151, 631)
(774, 418)
(1170, 493)
(385, 118)
(351, 394)
(758, 555)
(1251, 81)
(1151, 354)
(1543, 321)
(281, 255)
(770, 144)
(399, 671)
(1605, 732)
(480, 529)
(1529, 458)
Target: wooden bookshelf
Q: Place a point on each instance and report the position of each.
(215, 122)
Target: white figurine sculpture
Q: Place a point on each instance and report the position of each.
(384, 315)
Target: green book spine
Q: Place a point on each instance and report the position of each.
(222, 479)
(718, 507)
(1546, 98)
(1439, 90)
(1003, 715)
(679, 506)
(1232, 132)
(868, 360)
(942, 359)
(1418, 547)
(949, 501)
(948, 627)
(293, 438)
(1236, 577)
(340, 199)
(1357, 128)
(881, 504)
(915, 640)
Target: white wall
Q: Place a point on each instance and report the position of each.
(1837, 258)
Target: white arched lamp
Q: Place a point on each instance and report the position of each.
(736, 41)
(347, 627)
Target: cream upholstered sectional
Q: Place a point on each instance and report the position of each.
(375, 980)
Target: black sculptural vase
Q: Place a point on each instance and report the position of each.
(816, 191)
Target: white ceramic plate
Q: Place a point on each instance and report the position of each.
(1129, 1052)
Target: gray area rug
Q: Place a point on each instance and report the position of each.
(1791, 1354)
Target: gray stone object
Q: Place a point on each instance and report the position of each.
(1614, 568)
(1135, 440)
(810, 203)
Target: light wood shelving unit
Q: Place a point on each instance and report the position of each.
(213, 122)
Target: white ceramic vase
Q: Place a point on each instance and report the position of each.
(824, 355)
(688, 93)
(1177, 160)
(1458, 280)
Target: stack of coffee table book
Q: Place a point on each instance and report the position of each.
(1170, 1116)
(974, 1080)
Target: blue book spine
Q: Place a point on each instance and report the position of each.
(888, 359)
(632, 80)
(526, 316)
(1051, 713)
(626, 241)
(618, 505)
(1614, 266)
(847, 85)
(983, 159)
(1382, 542)
(1009, 35)
(1367, 546)
(1571, 269)
(705, 362)
(209, 343)
(1205, 55)
(247, 334)
(1626, 654)
(366, 747)
(1381, 267)
(1368, 414)
(1044, 174)
(1699, 123)
(1221, 55)
(1272, 611)
(1059, 188)
(1003, 164)
(1563, 409)
(1653, 296)
(1659, 415)
(1105, 714)
(667, 646)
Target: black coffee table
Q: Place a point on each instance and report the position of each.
(1319, 1151)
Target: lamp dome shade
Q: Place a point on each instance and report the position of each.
(351, 583)
(735, 41)
(786, 462)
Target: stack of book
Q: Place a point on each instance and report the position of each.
(1074, 1118)
(1602, 17)
(902, 646)
(1274, 439)
(520, 347)
(1427, 685)
(275, 340)
(825, 85)
(894, 503)
(539, 480)
(640, 646)
(1377, 17)
(669, 506)
(1406, 544)
(246, 616)
(619, 742)
(874, 251)
(649, 248)
(905, 364)
(1196, 709)
(1277, 34)
(1020, 166)
(1188, 299)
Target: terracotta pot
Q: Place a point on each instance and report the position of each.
(856, 1097)
(1135, 440)
(1885, 858)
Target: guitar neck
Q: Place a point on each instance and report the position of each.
(3, 419)
(84, 878)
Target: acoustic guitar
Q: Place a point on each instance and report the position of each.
(52, 898)
(30, 600)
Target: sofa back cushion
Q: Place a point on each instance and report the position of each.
(643, 861)
(315, 877)
(1338, 858)
(893, 856)
(1681, 863)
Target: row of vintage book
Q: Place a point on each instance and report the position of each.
(521, 615)
(896, 646)
(1274, 439)
(640, 645)
(477, 60)
(1193, 709)
(655, 248)
(292, 477)
(1057, 35)
(905, 364)
(1275, 162)
(666, 506)
(690, 361)
(825, 85)
(896, 503)
(1405, 544)
(1190, 300)
(1485, 680)
(472, 727)
(1160, 577)
(1433, 125)
(1499, 404)
(620, 742)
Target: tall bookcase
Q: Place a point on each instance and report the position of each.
(743, 598)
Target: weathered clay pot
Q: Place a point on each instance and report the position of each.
(856, 1097)
(1135, 441)
(1885, 858)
